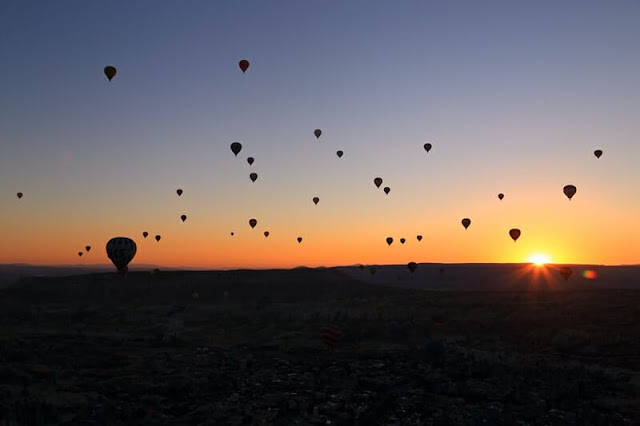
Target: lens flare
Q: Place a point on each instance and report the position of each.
(589, 274)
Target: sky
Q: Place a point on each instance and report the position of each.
(514, 97)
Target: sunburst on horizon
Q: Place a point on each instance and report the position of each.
(539, 259)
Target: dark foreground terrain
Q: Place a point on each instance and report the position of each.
(244, 347)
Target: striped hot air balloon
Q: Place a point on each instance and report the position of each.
(330, 335)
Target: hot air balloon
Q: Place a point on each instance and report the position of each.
(419, 237)
(597, 153)
(121, 251)
(158, 237)
(500, 196)
(316, 200)
(372, 271)
(232, 234)
(514, 233)
(330, 335)
(253, 177)
(389, 240)
(387, 190)
(110, 72)
(339, 154)
(19, 194)
(317, 132)
(80, 253)
(569, 191)
(244, 65)
(253, 223)
(402, 240)
(183, 217)
(88, 248)
(299, 239)
(236, 147)
(179, 192)
(250, 160)
(412, 266)
(266, 234)
(566, 272)
(377, 181)
(145, 234)
(427, 147)
(466, 222)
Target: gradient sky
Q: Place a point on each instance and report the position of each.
(514, 96)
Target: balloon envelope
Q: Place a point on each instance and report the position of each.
(179, 192)
(121, 251)
(244, 65)
(402, 240)
(253, 223)
(145, 234)
(387, 190)
(88, 248)
(339, 154)
(299, 239)
(317, 132)
(566, 272)
(419, 237)
(250, 160)
(501, 195)
(236, 147)
(253, 177)
(412, 266)
(514, 233)
(597, 153)
(569, 191)
(80, 253)
(378, 181)
(158, 237)
(110, 72)
(427, 147)
(316, 200)
(183, 217)
(466, 222)
(266, 234)
(389, 240)
(19, 194)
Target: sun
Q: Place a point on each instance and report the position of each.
(539, 259)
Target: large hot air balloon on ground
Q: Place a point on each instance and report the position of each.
(244, 65)
(317, 132)
(236, 147)
(466, 222)
(110, 71)
(121, 251)
(377, 182)
(597, 153)
(514, 233)
(569, 191)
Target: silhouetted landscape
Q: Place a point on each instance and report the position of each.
(245, 347)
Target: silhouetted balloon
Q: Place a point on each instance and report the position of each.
(19, 194)
(389, 240)
(427, 147)
(110, 72)
(514, 233)
(412, 266)
(501, 196)
(466, 222)
(232, 234)
(419, 237)
(158, 237)
(316, 200)
(145, 234)
(387, 190)
(253, 223)
(121, 251)
(402, 240)
(299, 239)
(339, 153)
(372, 270)
(183, 217)
(179, 192)
(244, 65)
(80, 253)
(250, 160)
(88, 248)
(597, 153)
(566, 272)
(236, 147)
(377, 181)
(253, 177)
(569, 191)
(266, 234)
(317, 132)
